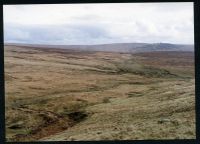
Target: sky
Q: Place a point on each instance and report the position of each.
(86, 24)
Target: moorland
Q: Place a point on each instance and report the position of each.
(70, 94)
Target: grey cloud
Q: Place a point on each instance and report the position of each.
(65, 34)
(95, 33)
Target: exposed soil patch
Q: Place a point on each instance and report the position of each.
(52, 124)
(77, 116)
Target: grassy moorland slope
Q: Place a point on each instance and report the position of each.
(55, 94)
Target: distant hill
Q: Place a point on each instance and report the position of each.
(119, 47)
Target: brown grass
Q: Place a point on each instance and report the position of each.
(69, 95)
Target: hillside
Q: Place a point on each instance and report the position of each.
(120, 47)
(65, 94)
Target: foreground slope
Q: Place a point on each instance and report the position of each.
(56, 94)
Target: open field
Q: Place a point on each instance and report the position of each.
(55, 94)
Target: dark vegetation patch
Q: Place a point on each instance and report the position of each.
(24, 52)
(77, 116)
(136, 83)
(167, 54)
(36, 88)
(17, 125)
(134, 94)
(73, 108)
(106, 100)
(176, 58)
(146, 71)
(98, 71)
(131, 67)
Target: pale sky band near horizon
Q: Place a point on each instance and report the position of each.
(80, 24)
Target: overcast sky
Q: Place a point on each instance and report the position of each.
(99, 23)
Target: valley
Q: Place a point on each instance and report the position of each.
(69, 94)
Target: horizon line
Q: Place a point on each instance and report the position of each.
(12, 43)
